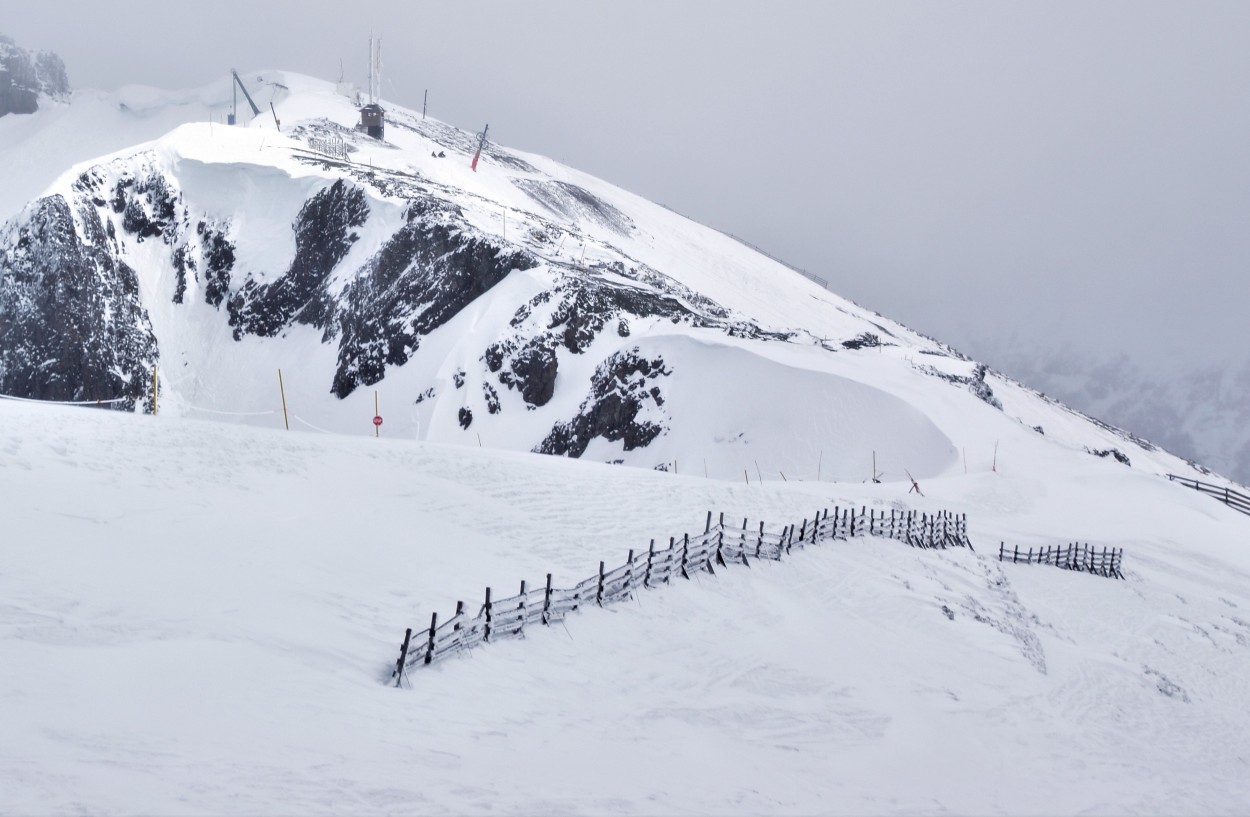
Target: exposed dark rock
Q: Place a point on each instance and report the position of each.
(865, 340)
(1116, 453)
(585, 307)
(534, 372)
(218, 262)
(466, 417)
(433, 267)
(975, 382)
(72, 326)
(492, 398)
(24, 75)
(978, 386)
(619, 393)
(458, 378)
(184, 262)
(323, 235)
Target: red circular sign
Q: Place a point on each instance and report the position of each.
(377, 419)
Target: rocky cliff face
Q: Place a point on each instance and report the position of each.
(72, 325)
(26, 75)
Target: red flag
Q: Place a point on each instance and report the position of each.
(475, 155)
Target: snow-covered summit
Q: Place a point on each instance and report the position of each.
(522, 305)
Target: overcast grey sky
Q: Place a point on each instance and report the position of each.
(989, 173)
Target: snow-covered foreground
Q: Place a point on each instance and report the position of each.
(201, 618)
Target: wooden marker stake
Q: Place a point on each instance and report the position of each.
(281, 390)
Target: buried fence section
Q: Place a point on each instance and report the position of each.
(1078, 556)
(718, 544)
(1233, 499)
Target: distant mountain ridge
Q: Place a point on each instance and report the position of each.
(25, 76)
(1201, 414)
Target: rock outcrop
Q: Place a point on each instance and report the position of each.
(25, 76)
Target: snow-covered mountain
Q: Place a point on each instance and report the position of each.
(523, 306)
(201, 610)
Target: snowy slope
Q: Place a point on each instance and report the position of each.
(201, 618)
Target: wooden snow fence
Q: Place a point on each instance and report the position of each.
(1075, 556)
(1233, 499)
(719, 544)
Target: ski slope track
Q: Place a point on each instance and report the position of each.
(199, 610)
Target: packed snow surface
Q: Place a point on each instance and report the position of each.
(201, 618)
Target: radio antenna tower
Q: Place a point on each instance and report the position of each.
(375, 68)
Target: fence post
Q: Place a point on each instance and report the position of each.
(429, 651)
(403, 655)
(720, 543)
(802, 534)
(599, 593)
(489, 618)
(547, 602)
(685, 551)
(646, 579)
(521, 607)
(1016, 555)
(759, 545)
(629, 571)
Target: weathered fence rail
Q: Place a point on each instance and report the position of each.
(1233, 499)
(1075, 556)
(719, 544)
